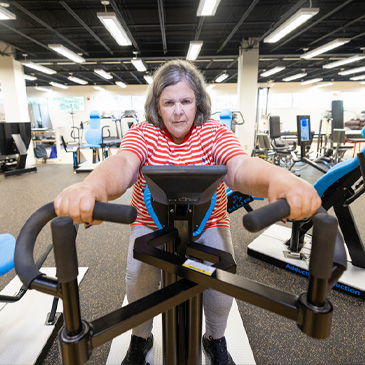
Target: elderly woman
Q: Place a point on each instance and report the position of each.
(178, 131)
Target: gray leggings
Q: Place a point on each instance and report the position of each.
(143, 279)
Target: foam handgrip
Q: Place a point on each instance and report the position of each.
(265, 216)
(114, 213)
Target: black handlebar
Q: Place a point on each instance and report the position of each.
(23, 258)
(265, 216)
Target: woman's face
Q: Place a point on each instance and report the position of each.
(177, 108)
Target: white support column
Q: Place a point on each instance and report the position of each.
(14, 93)
(248, 63)
(13, 89)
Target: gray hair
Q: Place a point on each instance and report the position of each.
(169, 74)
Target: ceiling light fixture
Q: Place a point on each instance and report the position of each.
(292, 23)
(352, 71)
(323, 84)
(121, 84)
(326, 47)
(148, 78)
(6, 14)
(114, 27)
(311, 81)
(59, 48)
(40, 88)
(40, 68)
(138, 63)
(56, 84)
(98, 88)
(272, 71)
(207, 7)
(344, 61)
(29, 78)
(103, 73)
(194, 49)
(294, 77)
(221, 77)
(356, 78)
(77, 80)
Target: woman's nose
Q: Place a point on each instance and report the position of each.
(178, 108)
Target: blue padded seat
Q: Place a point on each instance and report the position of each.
(225, 117)
(7, 247)
(93, 135)
(337, 171)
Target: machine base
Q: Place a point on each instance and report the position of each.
(270, 247)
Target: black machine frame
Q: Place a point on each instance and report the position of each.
(311, 311)
(307, 141)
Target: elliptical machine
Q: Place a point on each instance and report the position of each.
(183, 190)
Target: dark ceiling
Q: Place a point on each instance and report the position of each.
(162, 29)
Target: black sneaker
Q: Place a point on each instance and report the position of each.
(138, 349)
(217, 352)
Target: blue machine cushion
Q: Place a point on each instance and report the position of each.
(335, 173)
(93, 135)
(7, 247)
(226, 118)
(148, 202)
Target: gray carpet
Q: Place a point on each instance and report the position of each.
(274, 340)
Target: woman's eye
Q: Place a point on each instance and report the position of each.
(186, 101)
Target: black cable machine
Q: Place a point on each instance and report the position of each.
(184, 191)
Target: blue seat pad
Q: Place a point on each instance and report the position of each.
(336, 173)
(7, 247)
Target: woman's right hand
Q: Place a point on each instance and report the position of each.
(77, 201)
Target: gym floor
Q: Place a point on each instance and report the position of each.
(274, 339)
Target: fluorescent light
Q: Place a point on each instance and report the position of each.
(99, 88)
(6, 14)
(324, 84)
(56, 84)
(272, 71)
(221, 77)
(326, 47)
(355, 78)
(40, 88)
(207, 7)
(121, 84)
(138, 64)
(30, 78)
(352, 71)
(77, 80)
(41, 68)
(102, 73)
(194, 49)
(292, 23)
(148, 78)
(294, 77)
(344, 61)
(59, 48)
(311, 81)
(114, 27)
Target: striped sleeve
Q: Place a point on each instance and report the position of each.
(134, 141)
(226, 146)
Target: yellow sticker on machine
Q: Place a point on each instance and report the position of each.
(199, 267)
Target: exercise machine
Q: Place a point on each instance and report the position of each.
(290, 249)
(304, 135)
(284, 153)
(186, 193)
(14, 142)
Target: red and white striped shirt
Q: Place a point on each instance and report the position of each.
(209, 144)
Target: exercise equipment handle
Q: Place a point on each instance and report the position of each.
(265, 216)
(23, 258)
